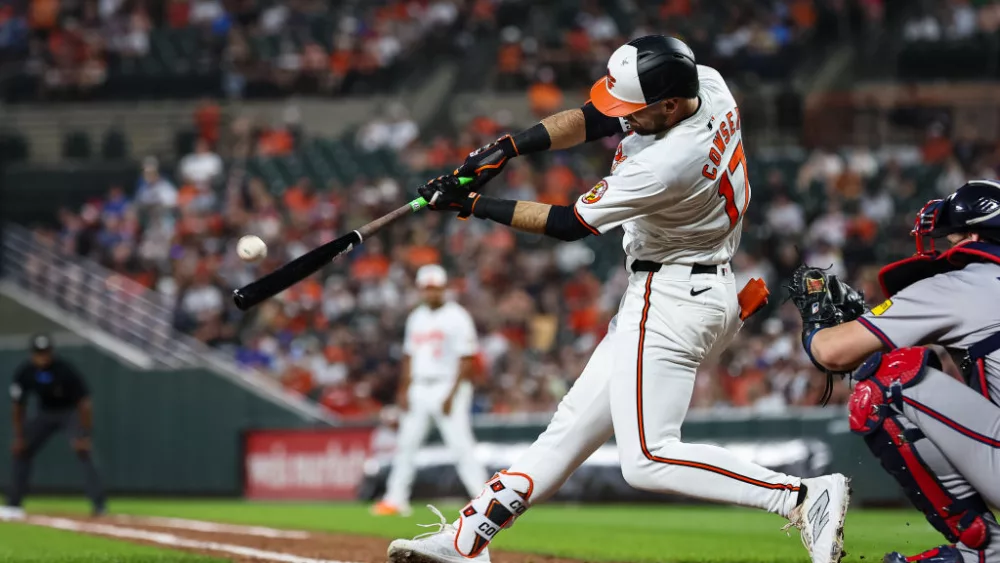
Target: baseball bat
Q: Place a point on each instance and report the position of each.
(309, 263)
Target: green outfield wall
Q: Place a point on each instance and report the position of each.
(180, 433)
(175, 432)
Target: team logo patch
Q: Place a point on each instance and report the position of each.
(619, 158)
(815, 285)
(881, 308)
(610, 80)
(596, 193)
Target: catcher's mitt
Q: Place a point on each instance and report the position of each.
(823, 301)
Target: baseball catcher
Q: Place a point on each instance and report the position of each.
(937, 436)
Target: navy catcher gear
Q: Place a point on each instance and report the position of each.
(875, 408)
(972, 208)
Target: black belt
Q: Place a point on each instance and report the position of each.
(647, 266)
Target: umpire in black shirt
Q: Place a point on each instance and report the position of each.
(63, 404)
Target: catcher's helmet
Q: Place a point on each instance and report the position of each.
(973, 208)
(645, 71)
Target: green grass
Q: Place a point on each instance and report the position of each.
(643, 533)
(23, 544)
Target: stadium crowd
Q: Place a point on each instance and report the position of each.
(267, 48)
(540, 306)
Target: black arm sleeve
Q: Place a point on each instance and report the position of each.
(533, 139)
(564, 224)
(600, 125)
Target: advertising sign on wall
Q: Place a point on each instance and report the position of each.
(305, 464)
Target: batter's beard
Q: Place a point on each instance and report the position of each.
(639, 129)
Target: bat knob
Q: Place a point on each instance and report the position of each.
(240, 300)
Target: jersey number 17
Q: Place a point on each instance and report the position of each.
(726, 185)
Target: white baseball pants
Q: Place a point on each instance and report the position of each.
(637, 387)
(425, 401)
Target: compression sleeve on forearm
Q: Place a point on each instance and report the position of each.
(533, 139)
(561, 223)
(599, 125)
(494, 209)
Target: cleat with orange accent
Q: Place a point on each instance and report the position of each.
(433, 547)
(383, 508)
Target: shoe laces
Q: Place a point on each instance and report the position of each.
(442, 526)
(797, 520)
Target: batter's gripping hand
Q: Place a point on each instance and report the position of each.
(484, 163)
(446, 193)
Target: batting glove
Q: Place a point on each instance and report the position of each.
(485, 163)
(445, 193)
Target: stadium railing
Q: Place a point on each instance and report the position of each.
(138, 319)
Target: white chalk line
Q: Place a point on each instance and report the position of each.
(169, 540)
(214, 527)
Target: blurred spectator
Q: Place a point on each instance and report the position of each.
(544, 96)
(830, 227)
(202, 166)
(923, 27)
(396, 132)
(208, 120)
(154, 191)
(785, 216)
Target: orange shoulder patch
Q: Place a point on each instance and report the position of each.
(596, 193)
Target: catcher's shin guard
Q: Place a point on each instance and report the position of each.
(505, 497)
(875, 413)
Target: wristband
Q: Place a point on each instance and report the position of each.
(485, 207)
(531, 140)
(807, 339)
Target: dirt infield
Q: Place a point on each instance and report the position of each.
(247, 543)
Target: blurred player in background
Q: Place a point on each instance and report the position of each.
(439, 348)
(63, 404)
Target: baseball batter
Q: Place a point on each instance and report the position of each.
(439, 350)
(678, 187)
(935, 435)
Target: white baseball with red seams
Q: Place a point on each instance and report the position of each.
(251, 248)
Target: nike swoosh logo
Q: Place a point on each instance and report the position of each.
(699, 292)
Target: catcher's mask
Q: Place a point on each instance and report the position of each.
(923, 227)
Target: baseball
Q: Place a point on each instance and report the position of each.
(251, 248)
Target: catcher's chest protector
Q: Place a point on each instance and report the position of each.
(898, 275)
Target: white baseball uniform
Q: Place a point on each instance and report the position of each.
(436, 340)
(680, 197)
